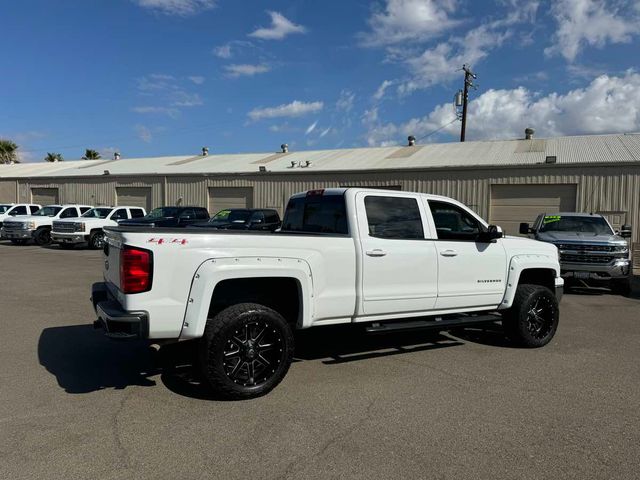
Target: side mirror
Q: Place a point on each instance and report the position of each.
(525, 229)
(626, 231)
(491, 235)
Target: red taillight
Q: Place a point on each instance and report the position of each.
(136, 270)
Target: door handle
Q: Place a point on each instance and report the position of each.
(449, 253)
(376, 252)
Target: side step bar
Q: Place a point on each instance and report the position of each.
(442, 324)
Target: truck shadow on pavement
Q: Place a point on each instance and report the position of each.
(83, 360)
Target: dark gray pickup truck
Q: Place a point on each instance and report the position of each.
(590, 249)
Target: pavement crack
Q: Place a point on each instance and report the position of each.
(123, 455)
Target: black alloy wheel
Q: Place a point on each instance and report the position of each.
(43, 237)
(533, 318)
(96, 241)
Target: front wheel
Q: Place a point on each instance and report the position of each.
(246, 351)
(96, 240)
(43, 237)
(621, 287)
(533, 319)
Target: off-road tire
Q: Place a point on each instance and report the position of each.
(42, 236)
(532, 320)
(220, 339)
(96, 240)
(621, 287)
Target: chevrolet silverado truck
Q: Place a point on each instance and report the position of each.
(88, 228)
(590, 249)
(170, 217)
(37, 226)
(10, 210)
(388, 260)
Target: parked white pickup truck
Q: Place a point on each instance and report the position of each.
(38, 225)
(89, 227)
(10, 210)
(391, 260)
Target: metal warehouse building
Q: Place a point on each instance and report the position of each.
(504, 181)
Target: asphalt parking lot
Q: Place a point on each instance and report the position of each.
(421, 405)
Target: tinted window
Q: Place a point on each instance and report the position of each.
(393, 217)
(69, 213)
(454, 223)
(99, 212)
(162, 212)
(272, 217)
(21, 210)
(120, 214)
(4, 208)
(316, 213)
(188, 213)
(48, 211)
(202, 214)
(84, 209)
(257, 216)
(136, 213)
(34, 208)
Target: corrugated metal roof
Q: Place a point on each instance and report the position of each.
(619, 148)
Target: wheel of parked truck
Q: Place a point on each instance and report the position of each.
(621, 287)
(246, 351)
(532, 321)
(96, 240)
(43, 236)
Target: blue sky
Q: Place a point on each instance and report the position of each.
(163, 77)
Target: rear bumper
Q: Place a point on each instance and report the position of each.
(57, 237)
(116, 322)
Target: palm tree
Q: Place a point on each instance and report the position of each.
(54, 157)
(91, 154)
(8, 151)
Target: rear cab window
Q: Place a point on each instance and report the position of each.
(393, 217)
(316, 212)
(136, 212)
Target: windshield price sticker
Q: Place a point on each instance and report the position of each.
(551, 219)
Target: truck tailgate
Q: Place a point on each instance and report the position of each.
(112, 249)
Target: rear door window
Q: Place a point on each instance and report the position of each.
(69, 213)
(119, 214)
(136, 212)
(202, 214)
(84, 209)
(316, 213)
(393, 217)
(34, 208)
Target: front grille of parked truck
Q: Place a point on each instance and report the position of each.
(14, 226)
(63, 227)
(594, 259)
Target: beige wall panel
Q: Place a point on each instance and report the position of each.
(134, 196)
(8, 191)
(229, 197)
(44, 196)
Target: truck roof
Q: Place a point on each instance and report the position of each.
(342, 190)
(573, 214)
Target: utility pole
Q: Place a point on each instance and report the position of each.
(469, 77)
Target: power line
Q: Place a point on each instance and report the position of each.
(437, 129)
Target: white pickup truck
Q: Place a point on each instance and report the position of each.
(391, 260)
(10, 210)
(88, 228)
(37, 226)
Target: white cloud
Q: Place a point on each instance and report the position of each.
(379, 94)
(143, 133)
(223, 51)
(325, 132)
(181, 8)
(595, 23)
(246, 70)
(608, 104)
(311, 128)
(345, 101)
(197, 79)
(185, 99)
(279, 29)
(442, 62)
(171, 112)
(293, 109)
(410, 20)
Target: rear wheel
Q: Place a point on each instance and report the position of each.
(246, 351)
(96, 240)
(532, 321)
(43, 237)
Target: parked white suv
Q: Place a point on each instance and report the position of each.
(89, 227)
(10, 210)
(38, 225)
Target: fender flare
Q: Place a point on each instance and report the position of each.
(520, 263)
(213, 271)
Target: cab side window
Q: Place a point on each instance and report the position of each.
(454, 223)
(119, 214)
(69, 213)
(393, 217)
(20, 210)
(136, 212)
(34, 208)
(84, 209)
(202, 214)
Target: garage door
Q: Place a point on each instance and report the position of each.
(512, 204)
(229, 197)
(7, 191)
(44, 196)
(134, 196)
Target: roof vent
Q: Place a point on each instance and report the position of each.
(285, 148)
(205, 151)
(412, 141)
(528, 133)
(116, 155)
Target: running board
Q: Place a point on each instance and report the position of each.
(442, 324)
